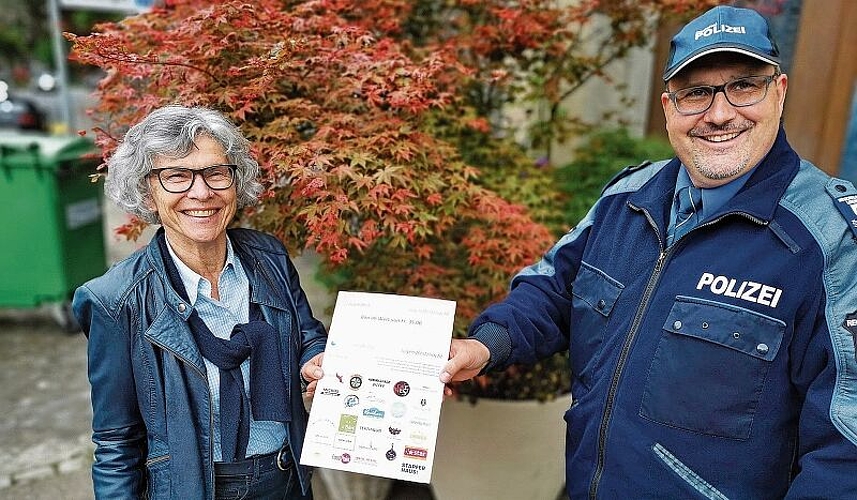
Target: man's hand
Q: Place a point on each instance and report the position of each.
(311, 372)
(467, 357)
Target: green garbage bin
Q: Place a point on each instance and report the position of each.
(52, 237)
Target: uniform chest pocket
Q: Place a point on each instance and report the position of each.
(710, 366)
(594, 294)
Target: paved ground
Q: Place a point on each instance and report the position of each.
(45, 415)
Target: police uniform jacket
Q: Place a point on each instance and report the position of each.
(152, 418)
(721, 367)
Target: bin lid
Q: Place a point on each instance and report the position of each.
(31, 149)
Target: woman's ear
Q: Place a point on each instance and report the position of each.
(149, 201)
(148, 198)
(150, 204)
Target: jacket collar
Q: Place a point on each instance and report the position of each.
(170, 330)
(263, 288)
(166, 330)
(758, 198)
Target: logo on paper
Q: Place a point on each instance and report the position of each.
(418, 436)
(351, 401)
(416, 453)
(355, 382)
(420, 422)
(373, 412)
(344, 441)
(348, 423)
(412, 468)
(401, 388)
(371, 462)
(397, 409)
(376, 382)
(370, 446)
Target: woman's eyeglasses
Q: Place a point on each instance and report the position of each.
(180, 179)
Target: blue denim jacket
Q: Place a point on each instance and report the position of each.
(152, 418)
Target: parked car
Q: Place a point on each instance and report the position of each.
(21, 113)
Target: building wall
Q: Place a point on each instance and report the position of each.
(848, 168)
(626, 100)
(822, 81)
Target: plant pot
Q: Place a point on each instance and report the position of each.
(343, 485)
(500, 450)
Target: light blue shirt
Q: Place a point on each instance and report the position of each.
(221, 316)
(712, 198)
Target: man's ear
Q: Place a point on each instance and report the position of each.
(665, 101)
(782, 85)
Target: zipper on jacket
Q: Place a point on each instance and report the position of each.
(620, 366)
(210, 406)
(629, 340)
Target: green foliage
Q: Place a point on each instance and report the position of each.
(26, 36)
(601, 156)
(505, 166)
(11, 45)
(579, 184)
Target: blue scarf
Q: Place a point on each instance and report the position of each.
(257, 340)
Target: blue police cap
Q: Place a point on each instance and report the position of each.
(722, 29)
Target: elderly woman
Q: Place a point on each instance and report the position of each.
(195, 342)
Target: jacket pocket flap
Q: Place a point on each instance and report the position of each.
(730, 326)
(596, 289)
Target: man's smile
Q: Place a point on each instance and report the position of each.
(721, 137)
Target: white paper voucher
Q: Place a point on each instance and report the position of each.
(376, 410)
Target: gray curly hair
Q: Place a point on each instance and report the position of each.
(171, 131)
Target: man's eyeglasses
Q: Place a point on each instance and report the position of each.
(180, 179)
(740, 92)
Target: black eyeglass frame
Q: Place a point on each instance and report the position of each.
(722, 88)
(194, 172)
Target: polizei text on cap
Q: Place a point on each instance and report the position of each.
(715, 28)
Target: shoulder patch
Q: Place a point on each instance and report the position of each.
(624, 173)
(845, 198)
(850, 324)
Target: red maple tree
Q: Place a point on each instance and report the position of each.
(375, 122)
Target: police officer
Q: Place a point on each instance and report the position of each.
(708, 302)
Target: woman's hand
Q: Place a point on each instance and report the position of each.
(311, 372)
